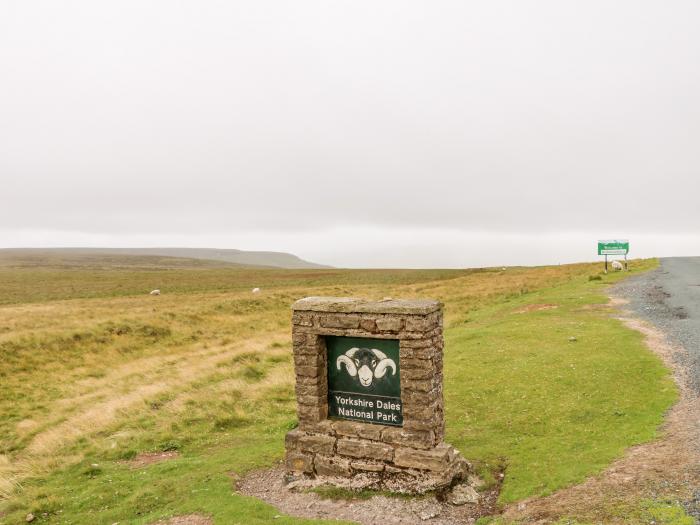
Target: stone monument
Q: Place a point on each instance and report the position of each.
(370, 395)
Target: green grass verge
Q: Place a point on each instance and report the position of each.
(519, 392)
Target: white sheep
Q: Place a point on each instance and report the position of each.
(155, 292)
(617, 266)
(256, 290)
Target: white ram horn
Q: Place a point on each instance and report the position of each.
(349, 364)
(382, 366)
(379, 353)
(351, 352)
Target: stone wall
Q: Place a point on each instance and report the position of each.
(410, 458)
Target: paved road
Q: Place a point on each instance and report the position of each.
(669, 297)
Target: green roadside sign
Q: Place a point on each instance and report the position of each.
(613, 247)
(364, 382)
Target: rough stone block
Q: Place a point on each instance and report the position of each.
(420, 324)
(417, 344)
(340, 321)
(355, 429)
(367, 466)
(315, 359)
(300, 462)
(315, 389)
(364, 449)
(463, 494)
(332, 466)
(321, 427)
(419, 424)
(430, 406)
(422, 385)
(291, 440)
(389, 324)
(414, 373)
(368, 325)
(311, 413)
(308, 349)
(417, 362)
(423, 439)
(299, 338)
(436, 459)
(419, 402)
(428, 352)
(302, 319)
(308, 371)
(311, 400)
(308, 381)
(406, 335)
(355, 305)
(316, 443)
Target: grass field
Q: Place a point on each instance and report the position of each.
(94, 371)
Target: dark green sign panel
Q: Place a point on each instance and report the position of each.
(613, 247)
(364, 380)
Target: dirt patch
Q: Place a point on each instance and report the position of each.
(187, 519)
(669, 465)
(535, 308)
(149, 458)
(269, 486)
(595, 307)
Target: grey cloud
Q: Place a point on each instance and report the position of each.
(191, 117)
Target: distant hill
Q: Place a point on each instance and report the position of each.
(156, 257)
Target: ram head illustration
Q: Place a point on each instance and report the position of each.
(367, 364)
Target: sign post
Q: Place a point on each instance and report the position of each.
(370, 396)
(614, 247)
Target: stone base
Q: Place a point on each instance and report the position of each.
(364, 463)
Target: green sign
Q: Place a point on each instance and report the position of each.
(614, 247)
(364, 380)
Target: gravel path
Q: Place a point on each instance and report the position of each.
(669, 298)
(269, 486)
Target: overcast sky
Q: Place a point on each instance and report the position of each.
(391, 133)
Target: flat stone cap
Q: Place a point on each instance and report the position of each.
(355, 305)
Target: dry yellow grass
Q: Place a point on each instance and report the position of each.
(105, 384)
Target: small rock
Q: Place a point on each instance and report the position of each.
(475, 481)
(30, 517)
(255, 290)
(429, 514)
(463, 494)
(572, 339)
